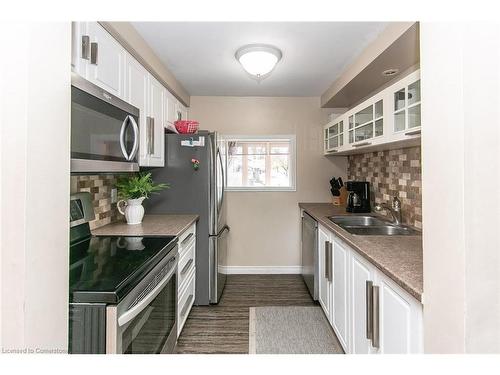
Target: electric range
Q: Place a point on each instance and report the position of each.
(123, 289)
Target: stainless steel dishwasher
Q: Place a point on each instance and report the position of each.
(310, 266)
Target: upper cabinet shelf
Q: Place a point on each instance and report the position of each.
(389, 119)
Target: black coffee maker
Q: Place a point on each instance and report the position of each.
(358, 200)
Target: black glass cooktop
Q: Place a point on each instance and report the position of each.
(104, 269)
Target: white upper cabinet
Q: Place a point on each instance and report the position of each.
(390, 117)
(107, 61)
(171, 108)
(334, 135)
(181, 112)
(155, 122)
(136, 93)
(80, 52)
(99, 58)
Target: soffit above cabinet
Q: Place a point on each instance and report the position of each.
(397, 47)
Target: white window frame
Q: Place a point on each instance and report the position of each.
(265, 138)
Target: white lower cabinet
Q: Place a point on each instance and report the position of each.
(325, 283)
(186, 279)
(340, 308)
(400, 322)
(360, 274)
(369, 313)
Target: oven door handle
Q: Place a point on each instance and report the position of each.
(130, 314)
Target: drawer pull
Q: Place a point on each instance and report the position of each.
(187, 266)
(369, 309)
(186, 305)
(376, 318)
(187, 238)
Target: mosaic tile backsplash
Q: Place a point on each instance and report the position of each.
(99, 186)
(392, 173)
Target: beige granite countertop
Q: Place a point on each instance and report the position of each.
(399, 257)
(152, 225)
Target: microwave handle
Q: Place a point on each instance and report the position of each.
(136, 138)
(135, 147)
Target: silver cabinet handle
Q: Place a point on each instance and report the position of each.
(330, 262)
(187, 238)
(326, 261)
(361, 144)
(186, 305)
(94, 50)
(187, 266)
(150, 123)
(85, 47)
(369, 309)
(376, 317)
(414, 132)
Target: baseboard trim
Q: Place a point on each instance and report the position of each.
(261, 270)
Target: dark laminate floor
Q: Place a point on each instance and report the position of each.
(223, 328)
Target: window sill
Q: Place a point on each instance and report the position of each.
(261, 189)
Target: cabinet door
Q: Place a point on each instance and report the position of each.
(340, 310)
(170, 108)
(136, 93)
(324, 281)
(400, 320)
(360, 274)
(154, 124)
(181, 112)
(406, 105)
(107, 61)
(80, 48)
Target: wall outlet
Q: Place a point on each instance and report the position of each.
(114, 195)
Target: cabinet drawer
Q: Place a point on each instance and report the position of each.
(186, 264)
(186, 238)
(185, 302)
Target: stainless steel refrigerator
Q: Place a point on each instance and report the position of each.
(197, 191)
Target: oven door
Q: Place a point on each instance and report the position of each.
(145, 322)
(104, 130)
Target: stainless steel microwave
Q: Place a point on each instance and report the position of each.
(104, 130)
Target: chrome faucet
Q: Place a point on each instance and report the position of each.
(394, 209)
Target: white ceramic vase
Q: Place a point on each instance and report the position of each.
(133, 211)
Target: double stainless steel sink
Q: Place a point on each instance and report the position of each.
(366, 225)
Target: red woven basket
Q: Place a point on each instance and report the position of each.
(187, 126)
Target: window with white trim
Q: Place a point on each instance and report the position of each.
(260, 163)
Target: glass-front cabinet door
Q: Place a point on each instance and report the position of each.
(407, 107)
(334, 135)
(367, 123)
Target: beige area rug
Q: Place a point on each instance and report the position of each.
(291, 330)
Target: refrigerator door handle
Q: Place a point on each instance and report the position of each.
(223, 178)
(224, 228)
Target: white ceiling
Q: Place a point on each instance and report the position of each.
(201, 54)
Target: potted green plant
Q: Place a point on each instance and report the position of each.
(132, 190)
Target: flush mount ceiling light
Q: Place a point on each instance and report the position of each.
(258, 60)
(390, 72)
